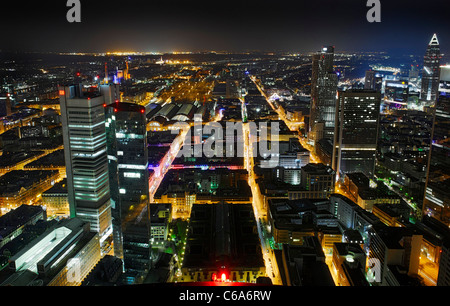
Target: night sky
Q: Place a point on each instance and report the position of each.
(175, 25)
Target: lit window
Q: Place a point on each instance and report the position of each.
(132, 175)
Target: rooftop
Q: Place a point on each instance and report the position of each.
(223, 234)
(18, 217)
(127, 107)
(318, 169)
(58, 188)
(9, 159)
(15, 180)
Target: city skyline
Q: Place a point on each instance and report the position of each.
(294, 26)
(283, 144)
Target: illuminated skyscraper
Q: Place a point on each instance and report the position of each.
(369, 82)
(324, 83)
(126, 135)
(83, 123)
(437, 189)
(430, 75)
(373, 80)
(356, 132)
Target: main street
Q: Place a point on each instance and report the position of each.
(166, 162)
(259, 209)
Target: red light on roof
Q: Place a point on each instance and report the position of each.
(223, 278)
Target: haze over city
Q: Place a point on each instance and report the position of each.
(165, 26)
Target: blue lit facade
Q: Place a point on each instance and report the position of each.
(129, 183)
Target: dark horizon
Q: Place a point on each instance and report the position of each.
(236, 26)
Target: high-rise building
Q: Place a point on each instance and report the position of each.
(437, 197)
(356, 132)
(83, 123)
(324, 83)
(5, 104)
(369, 81)
(373, 80)
(126, 135)
(430, 74)
(444, 265)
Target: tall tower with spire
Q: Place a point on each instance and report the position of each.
(324, 82)
(430, 75)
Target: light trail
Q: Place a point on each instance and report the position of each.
(162, 169)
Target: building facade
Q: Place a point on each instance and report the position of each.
(62, 256)
(83, 122)
(356, 132)
(436, 202)
(430, 74)
(324, 83)
(127, 151)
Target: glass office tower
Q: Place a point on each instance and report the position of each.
(430, 75)
(356, 132)
(83, 124)
(324, 83)
(437, 189)
(126, 135)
